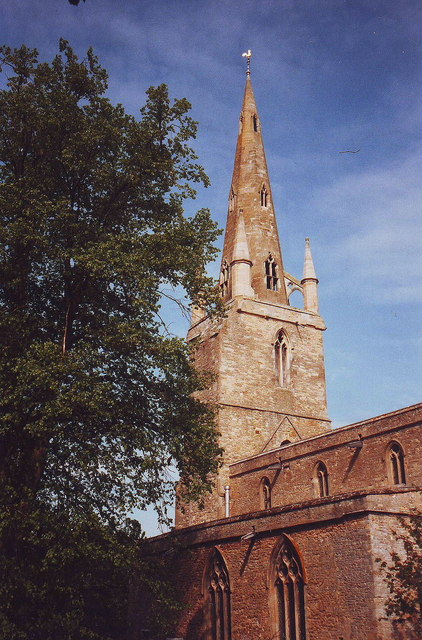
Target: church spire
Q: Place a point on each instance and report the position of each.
(251, 192)
(267, 355)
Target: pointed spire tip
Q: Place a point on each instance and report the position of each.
(248, 56)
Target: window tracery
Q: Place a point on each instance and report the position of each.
(271, 273)
(290, 596)
(219, 598)
(396, 464)
(281, 353)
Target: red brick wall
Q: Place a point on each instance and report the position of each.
(349, 469)
(345, 592)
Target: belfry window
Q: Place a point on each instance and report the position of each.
(281, 356)
(321, 480)
(219, 598)
(224, 279)
(264, 197)
(396, 463)
(265, 494)
(271, 273)
(290, 596)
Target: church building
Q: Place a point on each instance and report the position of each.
(289, 542)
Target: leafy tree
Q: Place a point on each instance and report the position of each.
(404, 577)
(96, 397)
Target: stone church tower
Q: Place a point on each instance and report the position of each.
(267, 355)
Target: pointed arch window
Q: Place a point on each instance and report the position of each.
(219, 598)
(265, 493)
(282, 359)
(321, 480)
(224, 279)
(397, 471)
(264, 197)
(289, 586)
(231, 200)
(271, 273)
(255, 122)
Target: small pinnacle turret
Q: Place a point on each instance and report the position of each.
(241, 263)
(240, 245)
(310, 281)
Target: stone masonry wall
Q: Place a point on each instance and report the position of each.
(247, 367)
(255, 412)
(383, 530)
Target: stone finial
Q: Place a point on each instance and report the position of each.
(308, 269)
(310, 281)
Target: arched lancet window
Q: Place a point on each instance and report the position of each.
(271, 273)
(282, 364)
(395, 458)
(288, 583)
(219, 598)
(265, 493)
(264, 197)
(224, 279)
(255, 122)
(231, 200)
(321, 480)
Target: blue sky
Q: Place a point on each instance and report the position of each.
(329, 76)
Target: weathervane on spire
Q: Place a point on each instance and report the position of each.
(248, 56)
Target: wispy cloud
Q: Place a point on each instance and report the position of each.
(378, 214)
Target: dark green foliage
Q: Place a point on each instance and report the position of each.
(96, 398)
(156, 603)
(65, 577)
(404, 577)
